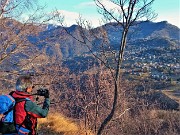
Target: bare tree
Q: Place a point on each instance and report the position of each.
(125, 13)
(12, 8)
(19, 21)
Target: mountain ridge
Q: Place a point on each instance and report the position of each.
(143, 30)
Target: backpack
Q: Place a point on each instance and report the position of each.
(7, 104)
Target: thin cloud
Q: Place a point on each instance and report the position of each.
(172, 19)
(24, 17)
(86, 4)
(71, 18)
(108, 4)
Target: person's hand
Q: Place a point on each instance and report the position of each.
(46, 95)
(43, 92)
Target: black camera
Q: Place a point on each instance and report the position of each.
(42, 92)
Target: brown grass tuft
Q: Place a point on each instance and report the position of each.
(57, 124)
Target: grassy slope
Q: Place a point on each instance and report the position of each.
(173, 92)
(56, 124)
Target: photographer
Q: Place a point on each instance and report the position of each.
(27, 111)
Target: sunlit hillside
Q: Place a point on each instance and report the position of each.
(148, 122)
(57, 124)
(173, 94)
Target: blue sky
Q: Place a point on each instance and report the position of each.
(167, 10)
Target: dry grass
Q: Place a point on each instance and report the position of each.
(154, 122)
(57, 124)
(173, 94)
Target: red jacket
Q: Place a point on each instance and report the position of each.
(27, 112)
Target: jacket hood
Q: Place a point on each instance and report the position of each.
(18, 94)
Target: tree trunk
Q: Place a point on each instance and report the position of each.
(116, 82)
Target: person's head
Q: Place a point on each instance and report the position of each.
(24, 84)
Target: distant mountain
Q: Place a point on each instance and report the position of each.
(143, 30)
(142, 33)
(58, 35)
(148, 29)
(58, 42)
